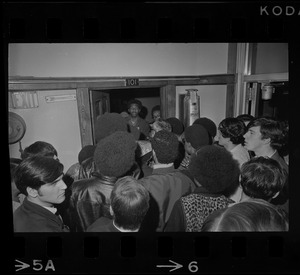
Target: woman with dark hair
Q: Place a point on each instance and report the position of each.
(230, 136)
(245, 118)
(213, 170)
(40, 179)
(254, 215)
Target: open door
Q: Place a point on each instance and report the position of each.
(100, 104)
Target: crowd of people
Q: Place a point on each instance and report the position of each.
(158, 176)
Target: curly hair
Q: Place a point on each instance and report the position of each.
(115, 154)
(214, 168)
(166, 146)
(109, 123)
(234, 129)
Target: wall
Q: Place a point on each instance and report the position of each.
(56, 123)
(106, 59)
(212, 101)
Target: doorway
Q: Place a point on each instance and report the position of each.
(148, 96)
(115, 101)
(276, 106)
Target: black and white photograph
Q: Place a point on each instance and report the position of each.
(166, 137)
(151, 138)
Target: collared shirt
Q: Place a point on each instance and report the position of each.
(240, 154)
(160, 169)
(51, 209)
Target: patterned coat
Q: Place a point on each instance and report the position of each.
(190, 211)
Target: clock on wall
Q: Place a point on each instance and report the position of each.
(16, 128)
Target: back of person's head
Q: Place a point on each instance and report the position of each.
(177, 125)
(108, 124)
(245, 118)
(41, 148)
(214, 168)
(252, 215)
(36, 171)
(129, 202)
(197, 136)
(115, 154)
(160, 124)
(269, 128)
(208, 124)
(232, 128)
(262, 178)
(165, 145)
(86, 152)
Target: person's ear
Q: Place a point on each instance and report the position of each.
(111, 211)
(267, 141)
(32, 192)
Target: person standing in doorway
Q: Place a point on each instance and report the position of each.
(138, 126)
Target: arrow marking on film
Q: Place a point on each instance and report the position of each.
(176, 266)
(21, 265)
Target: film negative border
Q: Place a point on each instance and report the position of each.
(139, 254)
(157, 23)
(150, 22)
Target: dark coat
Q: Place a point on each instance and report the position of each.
(102, 225)
(90, 200)
(31, 217)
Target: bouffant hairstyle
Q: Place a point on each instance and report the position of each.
(115, 154)
(129, 202)
(234, 129)
(86, 152)
(36, 171)
(109, 123)
(214, 168)
(252, 215)
(165, 145)
(262, 178)
(208, 124)
(197, 135)
(245, 118)
(270, 128)
(39, 148)
(177, 125)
